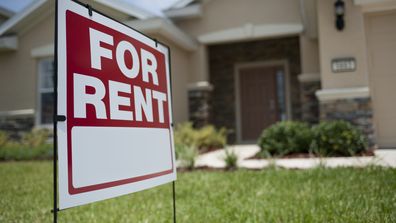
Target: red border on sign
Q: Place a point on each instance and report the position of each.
(73, 122)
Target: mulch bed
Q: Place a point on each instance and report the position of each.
(369, 152)
(206, 150)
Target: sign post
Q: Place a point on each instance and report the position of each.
(113, 128)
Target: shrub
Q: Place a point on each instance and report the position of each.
(209, 138)
(4, 137)
(230, 159)
(203, 139)
(189, 141)
(185, 135)
(186, 155)
(337, 138)
(284, 138)
(18, 152)
(36, 137)
(32, 146)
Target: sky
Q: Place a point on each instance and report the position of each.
(149, 5)
(14, 5)
(154, 6)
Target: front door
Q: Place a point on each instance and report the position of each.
(261, 99)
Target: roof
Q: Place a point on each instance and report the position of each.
(38, 8)
(17, 18)
(145, 22)
(129, 9)
(166, 29)
(181, 4)
(5, 12)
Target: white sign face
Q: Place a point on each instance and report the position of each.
(114, 89)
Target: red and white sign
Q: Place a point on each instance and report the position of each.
(114, 89)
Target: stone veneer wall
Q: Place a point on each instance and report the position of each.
(222, 61)
(357, 111)
(199, 106)
(309, 101)
(16, 125)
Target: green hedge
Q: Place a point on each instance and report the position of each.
(284, 138)
(32, 146)
(331, 138)
(20, 152)
(337, 138)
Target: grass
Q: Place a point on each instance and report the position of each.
(272, 195)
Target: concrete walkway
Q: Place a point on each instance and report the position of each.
(215, 159)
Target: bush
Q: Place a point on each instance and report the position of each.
(186, 155)
(32, 146)
(18, 152)
(284, 138)
(230, 159)
(4, 137)
(203, 139)
(190, 141)
(208, 138)
(337, 138)
(185, 135)
(36, 137)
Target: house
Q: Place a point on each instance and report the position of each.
(5, 14)
(241, 64)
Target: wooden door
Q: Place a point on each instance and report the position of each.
(258, 101)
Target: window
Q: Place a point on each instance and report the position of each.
(46, 91)
(281, 91)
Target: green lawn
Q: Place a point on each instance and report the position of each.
(318, 195)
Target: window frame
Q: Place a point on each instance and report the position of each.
(40, 91)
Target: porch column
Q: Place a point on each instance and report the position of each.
(309, 84)
(198, 103)
(353, 105)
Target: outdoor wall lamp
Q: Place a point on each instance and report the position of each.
(339, 8)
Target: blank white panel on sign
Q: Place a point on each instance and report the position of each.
(129, 153)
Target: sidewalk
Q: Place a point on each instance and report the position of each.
(215, 159)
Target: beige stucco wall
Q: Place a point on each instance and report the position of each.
(180, 69)
(198, 63)
(309, 52)
(376, 5)
(348, 43)
(309, 46)
(226, 14)
(18, 70)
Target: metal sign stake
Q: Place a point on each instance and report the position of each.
(55, 133)
(174, 201)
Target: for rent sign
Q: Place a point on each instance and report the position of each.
(114, 89)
